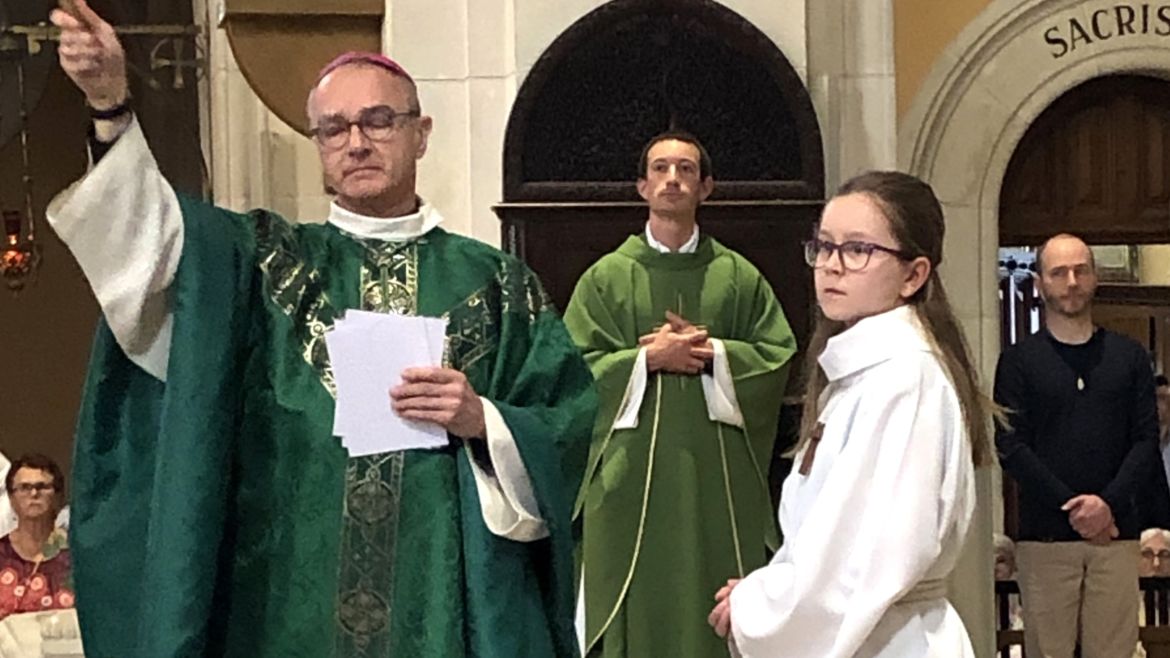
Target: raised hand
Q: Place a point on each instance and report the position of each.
(91, 55)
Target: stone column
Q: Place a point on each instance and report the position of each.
(851, 80)
(462, 55)
(256, 160)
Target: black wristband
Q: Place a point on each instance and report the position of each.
(112, 113)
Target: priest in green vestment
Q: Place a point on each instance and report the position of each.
(215, 512)
(690, 348)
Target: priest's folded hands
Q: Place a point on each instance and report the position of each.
(677, 346)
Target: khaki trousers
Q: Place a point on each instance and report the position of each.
(1066, 587)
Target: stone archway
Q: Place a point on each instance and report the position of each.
(990, 84)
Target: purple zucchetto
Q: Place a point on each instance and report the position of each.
(360, 57)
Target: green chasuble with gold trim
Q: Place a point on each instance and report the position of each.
(674, 507)
(216, 515)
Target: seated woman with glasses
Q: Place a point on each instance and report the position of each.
(34, 562)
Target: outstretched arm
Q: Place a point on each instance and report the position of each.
(122, 221)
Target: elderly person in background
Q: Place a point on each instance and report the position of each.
(1005, 569)
(1155, 560)
(34, 564)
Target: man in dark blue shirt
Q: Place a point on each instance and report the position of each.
(1082, 440)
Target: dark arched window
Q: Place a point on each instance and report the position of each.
(635, 68)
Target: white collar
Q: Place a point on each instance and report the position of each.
(872, 340)
(389, 229)
(688, 247)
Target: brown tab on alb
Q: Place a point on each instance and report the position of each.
(810, 453)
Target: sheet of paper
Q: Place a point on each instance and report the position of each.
(368, 352)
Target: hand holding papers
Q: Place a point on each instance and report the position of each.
(369, 352)
(443, 396)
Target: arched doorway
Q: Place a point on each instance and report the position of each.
(1095, 163)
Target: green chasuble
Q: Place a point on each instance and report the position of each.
(674, 507)
(216, 515)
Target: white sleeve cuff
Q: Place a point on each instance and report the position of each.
(627, 415)
(123, 224)
(506, 498)
(719, 390)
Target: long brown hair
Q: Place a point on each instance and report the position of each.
(916, 221)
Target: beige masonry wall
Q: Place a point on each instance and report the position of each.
(922, 31)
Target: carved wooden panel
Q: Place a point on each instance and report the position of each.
(1095, 163)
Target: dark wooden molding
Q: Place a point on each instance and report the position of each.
(234, 8)
(1133, 295)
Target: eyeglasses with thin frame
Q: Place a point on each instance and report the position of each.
(376, 123)
(853, 255)
(27, 488)
(1162, 555)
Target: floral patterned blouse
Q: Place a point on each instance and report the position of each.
(28, 587)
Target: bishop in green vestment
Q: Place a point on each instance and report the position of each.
(215, 514)
(689, 347)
